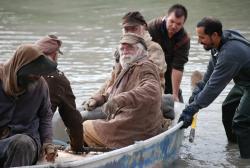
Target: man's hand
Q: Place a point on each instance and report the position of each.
(110, 107)
(90, 104)
(175, 97)
(167, 106)
(187, 115)
(49, 152)
(176, 82)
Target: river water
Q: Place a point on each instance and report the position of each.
(91, 29)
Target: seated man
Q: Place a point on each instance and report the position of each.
(134, 22)
(61, 94)
(25, 109)
(133, 106)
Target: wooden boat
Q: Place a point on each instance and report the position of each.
(158, 151)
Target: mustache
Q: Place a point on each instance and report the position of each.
(128, 55)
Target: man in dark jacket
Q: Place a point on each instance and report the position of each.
(230, 60)
(173, 39)
(25, 109)
(61, 94)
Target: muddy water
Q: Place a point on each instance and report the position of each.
(90, 31)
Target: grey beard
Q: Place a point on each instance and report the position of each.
(132, 59)
(125, 61)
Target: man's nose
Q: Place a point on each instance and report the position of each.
(174, 26)
(125, 51)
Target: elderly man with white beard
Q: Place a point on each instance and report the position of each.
(133, 107)
(133, 22)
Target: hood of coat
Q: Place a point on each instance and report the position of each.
(147, 37)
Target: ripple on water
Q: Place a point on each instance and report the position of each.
(88, 45)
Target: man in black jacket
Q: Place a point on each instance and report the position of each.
(169, 33)
(61, 94)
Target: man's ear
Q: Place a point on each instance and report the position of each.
(215, 35)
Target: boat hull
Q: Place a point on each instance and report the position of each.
(160, 154)
(159, 151)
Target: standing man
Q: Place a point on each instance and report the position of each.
(134, 102)
(230, 60)
(61, 94)
(25, 109)
(173, 39)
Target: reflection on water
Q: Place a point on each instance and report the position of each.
(90, 31)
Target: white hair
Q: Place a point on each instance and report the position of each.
(141, 49)
(141, 52)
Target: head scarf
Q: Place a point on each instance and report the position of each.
(49, 44)
(24, 55)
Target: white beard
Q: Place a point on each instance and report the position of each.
(127, 59)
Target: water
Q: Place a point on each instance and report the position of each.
(91, 30)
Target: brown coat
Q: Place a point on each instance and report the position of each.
(8, 72)
(139, 96)
(155, 54)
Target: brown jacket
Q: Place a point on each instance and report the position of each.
(155, 54)
(62, 97)
(138, 95)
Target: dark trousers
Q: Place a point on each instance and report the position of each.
(168, 85)
(179, 94)
(18, 150)
(94, 114)
(236, 118)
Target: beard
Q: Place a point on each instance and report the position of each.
(208, 47)
(126, 59)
